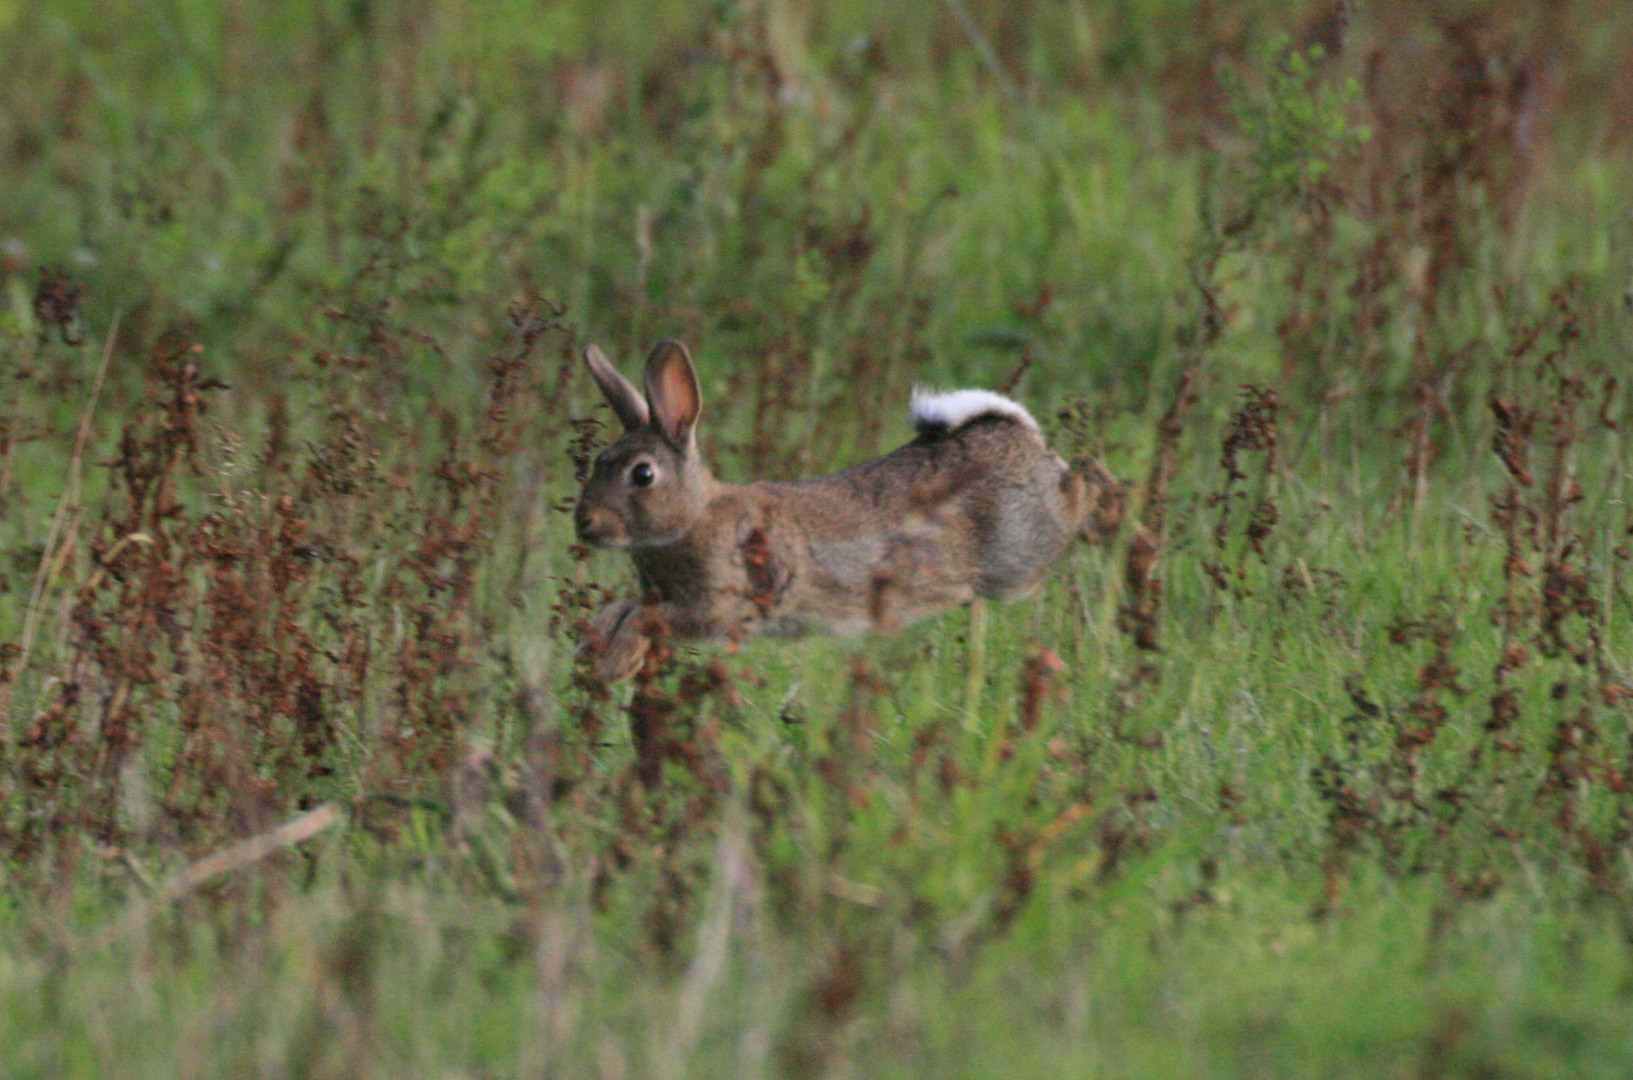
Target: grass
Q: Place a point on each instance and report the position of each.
(1332, 775)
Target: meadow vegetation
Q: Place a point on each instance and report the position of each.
(1326, 770)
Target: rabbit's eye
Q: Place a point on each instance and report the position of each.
(642, 474)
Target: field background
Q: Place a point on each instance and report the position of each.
(1335, 780)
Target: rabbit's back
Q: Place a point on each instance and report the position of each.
(981, 509)
(986, 504)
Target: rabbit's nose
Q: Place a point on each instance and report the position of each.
(593, 524)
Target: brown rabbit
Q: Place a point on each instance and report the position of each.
(976, 505)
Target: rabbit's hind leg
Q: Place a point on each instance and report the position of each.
(1030, 527)
(1097, 500)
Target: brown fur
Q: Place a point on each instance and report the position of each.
(981, 509)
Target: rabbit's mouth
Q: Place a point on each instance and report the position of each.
(598, 528)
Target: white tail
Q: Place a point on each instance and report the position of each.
(954, 409)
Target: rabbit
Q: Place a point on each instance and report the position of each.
(975, 506)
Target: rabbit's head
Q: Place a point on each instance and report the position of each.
(646, 489)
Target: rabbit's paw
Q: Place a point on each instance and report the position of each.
(614, 642)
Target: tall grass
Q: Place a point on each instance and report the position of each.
(1322, 766)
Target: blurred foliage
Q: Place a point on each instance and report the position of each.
(1325, 771)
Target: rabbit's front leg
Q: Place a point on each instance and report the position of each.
(620, 638)
(614, 640)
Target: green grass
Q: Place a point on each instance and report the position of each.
(1365, 812)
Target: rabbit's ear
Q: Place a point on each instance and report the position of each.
(620, 393)
(672, 393)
